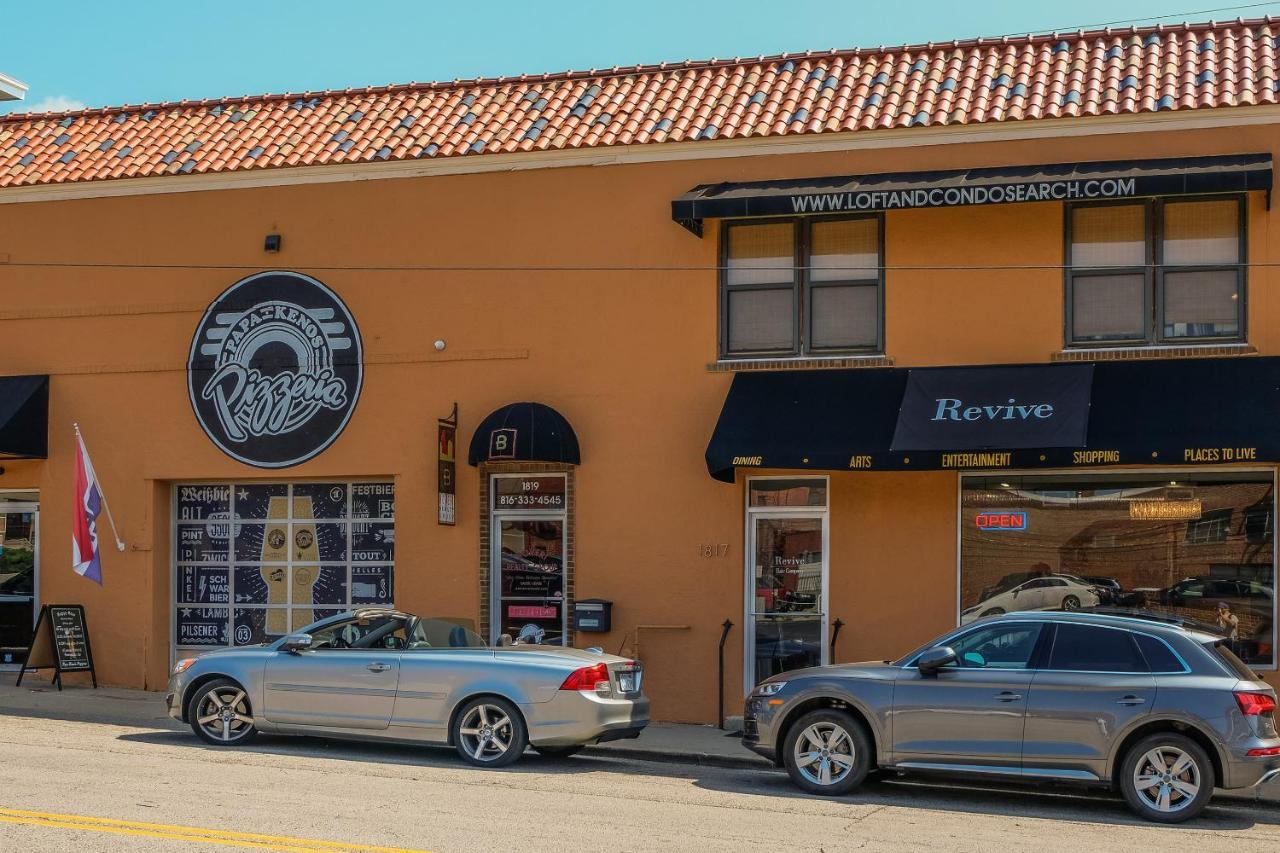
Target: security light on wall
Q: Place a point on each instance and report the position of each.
(271, 243)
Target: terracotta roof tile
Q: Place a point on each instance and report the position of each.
(1104, 72)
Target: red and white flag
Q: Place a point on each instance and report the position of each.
(86, 559)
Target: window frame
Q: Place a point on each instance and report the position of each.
(801, 289)
(1153, 274)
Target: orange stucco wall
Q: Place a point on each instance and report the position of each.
(619, 349)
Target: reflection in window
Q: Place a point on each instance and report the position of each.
(1201, 550)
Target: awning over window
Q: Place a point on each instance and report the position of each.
(1003, 185)
(1175, 412)
(524, 432)
(24, 416)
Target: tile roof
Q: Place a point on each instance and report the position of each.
(1096, 73)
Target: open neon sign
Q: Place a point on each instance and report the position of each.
(1002, 520)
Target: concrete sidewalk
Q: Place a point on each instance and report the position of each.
(664, 742)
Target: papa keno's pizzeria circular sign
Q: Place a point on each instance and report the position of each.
(275, 369)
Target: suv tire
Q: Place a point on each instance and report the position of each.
(1166, 777)
(828, 745)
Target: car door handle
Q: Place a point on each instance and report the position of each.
(1131, 700)
(378, 667)
(1009, 696)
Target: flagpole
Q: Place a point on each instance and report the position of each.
(105, 505)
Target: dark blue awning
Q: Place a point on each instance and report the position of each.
(1158, 412)
(524, 432)
(1112, 179)
(24, 416)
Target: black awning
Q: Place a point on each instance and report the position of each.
(1003, 185)
(967, 408)
(524, 432)
(1172, 412)
(24, 416)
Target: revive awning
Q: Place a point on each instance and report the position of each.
(524, 432)
(1003, 185)
(24, 416)
(1170, 412)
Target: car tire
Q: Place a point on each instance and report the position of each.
(489, 732)
(558, 752)
(836, 747)
(220, 714)
(1158, 794)
(1070, 602)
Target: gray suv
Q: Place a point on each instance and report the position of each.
(1158, 710)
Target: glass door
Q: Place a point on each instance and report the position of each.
(19, 526)
(528, 556)
(786, 577)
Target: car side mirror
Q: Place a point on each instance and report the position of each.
(934, 659)
(1015, 592)
(295, 643)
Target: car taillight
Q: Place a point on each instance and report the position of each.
(588, 678)
(1265, 750)
(1253, 704)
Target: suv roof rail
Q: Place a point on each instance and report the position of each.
(1154, 616)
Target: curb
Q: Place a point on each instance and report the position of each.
(702, 759)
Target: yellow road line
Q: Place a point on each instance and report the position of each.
(185, 833)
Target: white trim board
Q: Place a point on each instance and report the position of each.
(861, 140)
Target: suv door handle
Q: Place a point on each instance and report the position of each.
(1009, 696)
(1131, 700)
(378, 667)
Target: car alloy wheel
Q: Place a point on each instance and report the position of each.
(824, 754)
(221, 715)
(490, 732)
(1070, 603)
(1167, 779)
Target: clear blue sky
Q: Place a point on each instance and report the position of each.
(96, 53)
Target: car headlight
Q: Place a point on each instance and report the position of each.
(181, 666)
(770, 689)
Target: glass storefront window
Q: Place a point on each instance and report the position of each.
(254, 561)
(528, 557)
(1199, 548)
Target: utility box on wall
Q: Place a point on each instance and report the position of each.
(593, 614)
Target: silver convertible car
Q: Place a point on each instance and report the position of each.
(384, 674)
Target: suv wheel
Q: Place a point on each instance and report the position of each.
(1167, 777)
(827, 752)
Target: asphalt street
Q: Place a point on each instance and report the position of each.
(90, 786)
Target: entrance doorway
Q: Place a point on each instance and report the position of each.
(19, 566)
(528, 556)
(786, 608)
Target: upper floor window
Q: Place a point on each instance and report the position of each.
(802, 287)
(1156, 272)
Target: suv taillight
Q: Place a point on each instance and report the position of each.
(588, 678)
(1253, 704)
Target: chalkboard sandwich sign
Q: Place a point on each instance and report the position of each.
(61, 643)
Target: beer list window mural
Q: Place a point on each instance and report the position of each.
(255, 561)
(1201, 548)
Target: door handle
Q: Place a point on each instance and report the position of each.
(1131, 700)
(1009, 696)
(378, 667)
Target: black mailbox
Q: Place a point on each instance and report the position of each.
(593, 614)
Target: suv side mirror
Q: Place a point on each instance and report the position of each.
(295, 643)
(934, 659)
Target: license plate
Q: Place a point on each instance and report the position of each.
(629, 682)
